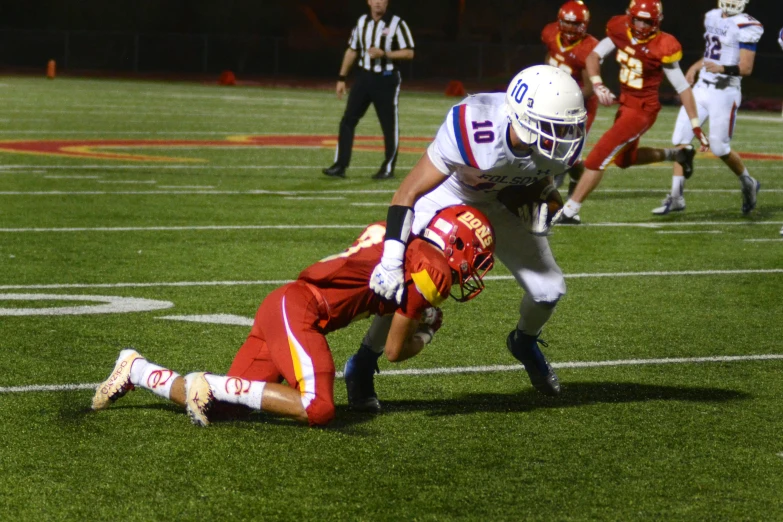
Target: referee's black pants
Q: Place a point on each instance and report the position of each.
(383, 91)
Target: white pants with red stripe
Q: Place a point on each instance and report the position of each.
(719, 106)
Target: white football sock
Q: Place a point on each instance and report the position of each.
(533, 316)
(745, 179)
(236, 390)
(152, 377)
(678, 185)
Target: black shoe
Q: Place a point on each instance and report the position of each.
(336, 171)
(382, 174)
(360, 386)
(525, 349)
(685, 158)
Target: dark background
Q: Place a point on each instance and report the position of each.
(480, 41)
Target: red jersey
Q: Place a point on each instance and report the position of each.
(343, 279)
(641, 62)
(571, 58)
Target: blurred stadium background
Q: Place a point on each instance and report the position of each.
(480, 43)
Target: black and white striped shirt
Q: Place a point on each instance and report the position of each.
(390, 33)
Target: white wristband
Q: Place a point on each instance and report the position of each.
(596, 80)
(393, 254)
(695, 123)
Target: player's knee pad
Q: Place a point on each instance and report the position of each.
(544, 298)
(720, 147)
(320, 411)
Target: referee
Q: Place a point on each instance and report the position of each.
(379, 40)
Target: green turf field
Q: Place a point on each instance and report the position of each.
(669, 344)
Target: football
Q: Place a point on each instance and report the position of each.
(517, 196)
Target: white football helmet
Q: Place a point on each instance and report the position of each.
(547, 110)
(732, 7)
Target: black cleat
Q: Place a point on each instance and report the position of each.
(525, 349)
(685, 158)
(335, 171)
(359, 382)
(382, 174)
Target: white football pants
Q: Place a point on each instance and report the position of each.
(720, 107)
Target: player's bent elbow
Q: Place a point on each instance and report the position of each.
(393, 355)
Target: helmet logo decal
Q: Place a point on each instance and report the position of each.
(483, 232)
(520, 89)
(530, 102)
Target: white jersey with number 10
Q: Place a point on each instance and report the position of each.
(473, 148)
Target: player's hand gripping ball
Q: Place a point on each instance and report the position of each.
(535, 204)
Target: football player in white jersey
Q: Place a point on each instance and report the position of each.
(488, 142)
(731, 37)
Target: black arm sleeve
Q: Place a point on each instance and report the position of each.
(399, 220)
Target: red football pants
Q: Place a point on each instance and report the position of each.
(621, 142)
(287, 343)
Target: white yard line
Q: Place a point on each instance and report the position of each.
(360, 226)
(464, 369)
(72, 177)
(276, 282)
(641, 190)
(179, 166)
(128, 181)
(689, 232)
(301, 198)
(162, 228)
(186, 186)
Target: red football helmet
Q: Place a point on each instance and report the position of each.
(646, 17)
(573, 17)
(466, 237)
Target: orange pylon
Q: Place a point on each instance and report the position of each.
(51, 69)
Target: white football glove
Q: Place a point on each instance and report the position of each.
(432, 317)
(535, 218)
(387, 279)
(605, 96)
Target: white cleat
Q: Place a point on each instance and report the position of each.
(749, 193)
(118, 383)
(198, 398)
(670, 204)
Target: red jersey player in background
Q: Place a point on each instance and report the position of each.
(568, 46)
(645, 54)
(287, 340)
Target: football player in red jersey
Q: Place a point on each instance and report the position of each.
(645, 55)
(568, 46)
(287, 340)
